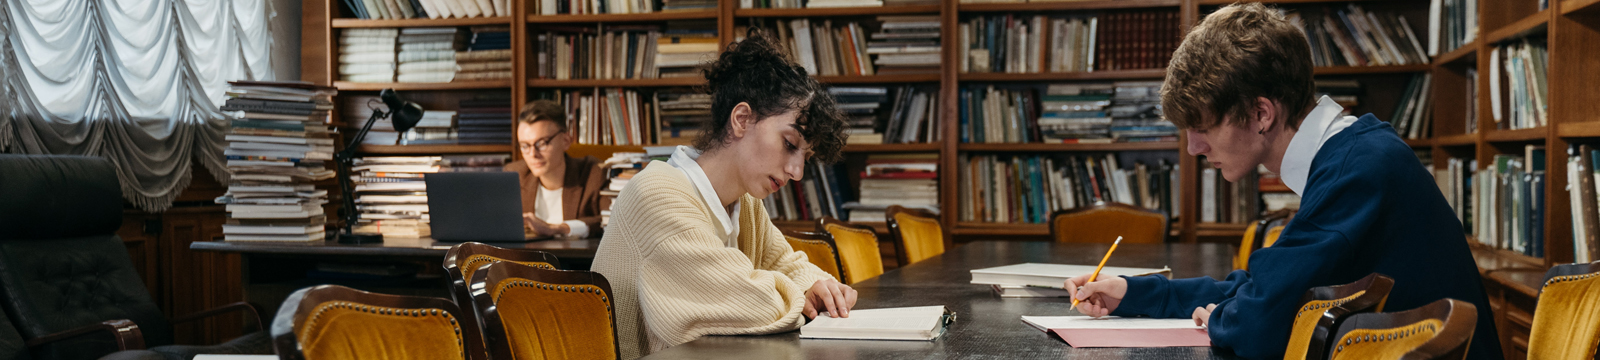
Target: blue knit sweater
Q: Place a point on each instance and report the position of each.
(1368, 207)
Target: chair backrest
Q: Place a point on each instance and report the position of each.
(62, 266)
(336, 322)
(1440, 330)
(1104, 222)
(468, 257)
(917, 234)
(534, 313)
(819, 249)
(1323, 308)
(1271, 236)
(858, 249)
(1241, 261)
(1566, 322)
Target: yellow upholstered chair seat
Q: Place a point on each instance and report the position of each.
(348, 330)
(858, 252)
(472, 263)
(1392, 343)
(555, 321)
(1566, 323)
(819, 252)
(1103, 223)
(920, 237)
(1305, 324)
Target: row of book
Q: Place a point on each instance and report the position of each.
(392, 198)
(1223, 201)
(1027, 189)
(796, 4)
(1032, 44)
(581, 7)
(1524, 64)
(610, 116)
(624, 51)
(1355, 37)
(1508, 203)
(906, 180)
(1067, 113)
(278, 148)
(382, 55)
(877, 115)
(1451, 24)
(1583, 175)
(426, 9)
(893, 44)
(1413, 116)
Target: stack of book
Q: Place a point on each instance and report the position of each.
(436, 127)
(905, 44)
(913, 115)
(908, 180)
(1585, 202)
(392, 197)
(1524, 64)
(1355, 37)
(1136, 114)
(1510, 206)
(579, 7)
(685, 60)
(433, 59)
(682, 113)
(1451, 24)
(1223, 201)
(819, 193)
(1008, 44)
(1044, 280)
(277, 147)
(367, 55)
(488, 55)
(620, 168)
(484, 119)
(610, 116)
(860, 105)
(1413, 116)
(1071, 113)
(1028, 189)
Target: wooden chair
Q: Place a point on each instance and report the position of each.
(1104, 222)
(857, 248)
(819, 249)
(336, 322)
(917, 234)
(1440, 330)
(1323, 308)
(534, 313)
(465, 258)
(1260, 234)
(1566, 322)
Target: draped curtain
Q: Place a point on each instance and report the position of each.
(135, 81)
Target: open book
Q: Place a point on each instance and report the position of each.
(1112, 331)
(1052, 275)
(907, 323)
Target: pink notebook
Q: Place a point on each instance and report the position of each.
(1082, 338)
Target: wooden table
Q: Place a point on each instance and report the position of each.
(563, 248)
(986, 325)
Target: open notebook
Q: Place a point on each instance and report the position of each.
(907, 323)
(1112, 331)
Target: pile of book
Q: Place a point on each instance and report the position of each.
(912, 116)
(683, 47)
(1510, 203)
(1136, 114)
(431, 58)
(1223, 201)
(390, 193)
(908, 180)
(819, 193)
(1451, 24)
(579, 7)
(1585, 202)
(1355, 37)
(860, 105)
(609, 116)
(1413, 115)
(1524, 64)
(1008, 44)
(905, 44)
(1071, 113)
(1044, 280)
(682, 113)
(436, 127)
(1027, 189)
(429, 9)
(485, 119)
(278, 146)
(620, 168)
(367, 55)
(488, 55)
(618, 52)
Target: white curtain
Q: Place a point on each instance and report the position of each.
(135, 81)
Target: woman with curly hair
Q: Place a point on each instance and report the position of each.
(690, 250)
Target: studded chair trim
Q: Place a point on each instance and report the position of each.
(555, 321)
(344, 329)
(1392, 343)
(1305, 324)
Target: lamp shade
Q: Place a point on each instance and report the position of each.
(404, 114)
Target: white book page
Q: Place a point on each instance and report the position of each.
(1108, 322)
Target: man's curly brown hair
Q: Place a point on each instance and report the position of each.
(1235, 55)
(756, 72)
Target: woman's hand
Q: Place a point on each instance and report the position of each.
(1202, 315)
(1098, 298)
(542, 228)
(830, 295)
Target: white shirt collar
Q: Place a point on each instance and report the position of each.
(685, 159)
(1320, 125)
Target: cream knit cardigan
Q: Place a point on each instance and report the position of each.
(673, 279)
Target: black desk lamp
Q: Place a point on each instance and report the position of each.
(405, 115)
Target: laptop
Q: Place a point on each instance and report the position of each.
(476, 206)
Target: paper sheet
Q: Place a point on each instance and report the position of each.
(1112, 331)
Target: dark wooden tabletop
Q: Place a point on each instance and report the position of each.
(986, 326)
(565, 248)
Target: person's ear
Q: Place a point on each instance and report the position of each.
(741, 120)
(1265, 111)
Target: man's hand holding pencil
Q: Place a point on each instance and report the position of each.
(1097, 297)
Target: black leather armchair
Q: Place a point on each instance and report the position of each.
(62, 266)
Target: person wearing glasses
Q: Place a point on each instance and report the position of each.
(560, 193)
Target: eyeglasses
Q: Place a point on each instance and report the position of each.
(541, 144)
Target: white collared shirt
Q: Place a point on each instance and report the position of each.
(1320, 125)
(684, 158)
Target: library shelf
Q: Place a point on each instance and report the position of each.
(1364, 70)
(1419, 143)
(396, 23)
(1536, 23)
(1044, 147)
(1499, 259)
(403, 86)
(1140, 74)
(887, 148)
(1518, 135)
(1456, 140)
(615, 18)
(844, 11)
(1067, 5)
(578, 83)
(1578, 129)
(433, 149)
(1570, 7)
(879, 79)
(1463, 53)
(999, 229)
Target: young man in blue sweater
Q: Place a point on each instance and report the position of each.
(1241, 87)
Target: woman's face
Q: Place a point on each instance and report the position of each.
(772, 152)
(1232, 149)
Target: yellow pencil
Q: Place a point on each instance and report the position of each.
(1097, 268)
